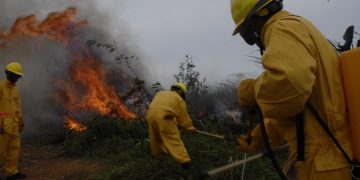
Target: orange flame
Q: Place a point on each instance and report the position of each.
(57, 26)
(73, 125)
(98, 96)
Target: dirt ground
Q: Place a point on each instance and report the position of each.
(45, 162)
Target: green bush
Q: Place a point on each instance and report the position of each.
(105, 136)
(125, 146)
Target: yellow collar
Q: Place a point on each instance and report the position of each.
(9, 84)
(272, 19)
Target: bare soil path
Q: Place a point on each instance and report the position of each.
(45, 162)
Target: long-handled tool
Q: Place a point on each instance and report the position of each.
(218, 171)
(215, 136)
(209, 134)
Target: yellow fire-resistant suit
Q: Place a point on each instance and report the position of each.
(301, 65)
(166, 113)
(11, 122)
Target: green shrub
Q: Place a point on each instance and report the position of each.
(105, 136)
(125, 146)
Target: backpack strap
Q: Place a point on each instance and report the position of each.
(327, 130)
(268, 150)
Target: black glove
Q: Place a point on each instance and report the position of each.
(186, 166)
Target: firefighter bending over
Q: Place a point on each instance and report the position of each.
(166, 113)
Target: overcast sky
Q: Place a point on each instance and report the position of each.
(167, 30)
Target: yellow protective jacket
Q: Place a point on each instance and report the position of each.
(301, 65)
(168, 112)
(10, 108)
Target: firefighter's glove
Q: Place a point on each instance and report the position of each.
(246, 93)
(251, 143)
(190, 130)
(245, 145)
(186, 166)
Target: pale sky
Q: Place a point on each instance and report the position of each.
(166, 30)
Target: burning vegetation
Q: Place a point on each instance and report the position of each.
(58, 26)
(73, 125)
(83, 89)
(88, 91)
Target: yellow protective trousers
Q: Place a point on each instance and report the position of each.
(9, 153)
(165, 138)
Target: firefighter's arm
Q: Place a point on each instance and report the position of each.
(184, 119)
(21, 124)
(245, 92)
(19, 115)
(255, 141)
(2, 130)
(285, 86)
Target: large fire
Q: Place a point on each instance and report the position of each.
(87, 89)
(57, 26)
(98, 96)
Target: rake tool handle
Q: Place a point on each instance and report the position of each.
(216, 136)
(219, 170)
(209, 134)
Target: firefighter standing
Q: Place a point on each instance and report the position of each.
(11, 122)
(300, 66)
(166, 113)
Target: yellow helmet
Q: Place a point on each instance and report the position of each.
(240, 9)
(181, 86)
(15, 68)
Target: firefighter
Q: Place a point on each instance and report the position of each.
(166, 113)
(11, 122)
(300, 67)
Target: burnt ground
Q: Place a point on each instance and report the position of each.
(46, 162)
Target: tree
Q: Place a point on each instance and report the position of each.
(191, 77)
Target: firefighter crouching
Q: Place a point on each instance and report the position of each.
(168, 112)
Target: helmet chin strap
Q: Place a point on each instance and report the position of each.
(246, 30)
(256, 30)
